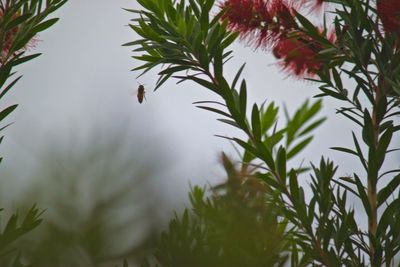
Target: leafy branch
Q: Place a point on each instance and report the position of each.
(190, 46)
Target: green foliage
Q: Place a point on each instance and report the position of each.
(20, 22)
(322, 229)
(183, 37)
(14, 230)
(100, 198)
(234, 226)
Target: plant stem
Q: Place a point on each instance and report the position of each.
(373, 176)
(373, 218)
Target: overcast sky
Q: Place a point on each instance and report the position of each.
(83, 81)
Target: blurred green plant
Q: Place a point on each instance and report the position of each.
(20, 22)
(235, 226)
(190, 45)
(101, 202)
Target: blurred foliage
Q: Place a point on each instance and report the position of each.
(100, 197)
(15, 230)
(20, 22)
(234, 226)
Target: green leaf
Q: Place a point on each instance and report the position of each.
(269, 180)
(5, 72)
(350, 116)
(195, 8)
(137, 42)
(18, 20)
(214, 39)
(255, 122)
(345, 150)
(161, 80)
(367, 131)
(5, 112)
(203, 82)
(218, 65)
(237, 76)
(337, 79)
(24, 59)
(359, 152)
(269, 117)
(230, 122)
(5, 90)
(172, 70)
(383, 145)
(248, 147)
(362, 194)
(345, 186)
(265, 155)
(215, 111)
(309, 26)
(243, 99)
(294, 186)
(204, 20)
(389, 189)
(331, 93)
(229, 39)
(387, 217)
(203, 57)
(44, 25)
(299, 147)
(312, 127)
(281, 163)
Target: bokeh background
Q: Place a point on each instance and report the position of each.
(109, 172)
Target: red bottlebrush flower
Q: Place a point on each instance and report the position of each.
(8, 40)
(389, 13)
(269, 23)
(297, 57)
(260, 21)
(283, 11)
(239, 14)
(247, 17)
(298, 54)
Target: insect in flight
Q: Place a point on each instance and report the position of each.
(141, 93)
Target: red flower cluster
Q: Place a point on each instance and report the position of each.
(8, 40)
(248, 16)
(389, 13)
(299, 54)
(296, 56)
(269, 23)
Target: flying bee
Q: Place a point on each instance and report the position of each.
(141, 93)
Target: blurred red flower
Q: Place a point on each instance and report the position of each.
(283, 12)
(389, 13)
(250, 18)
(8, 40)
(271, 24)
(298, 54)
(297, 57)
